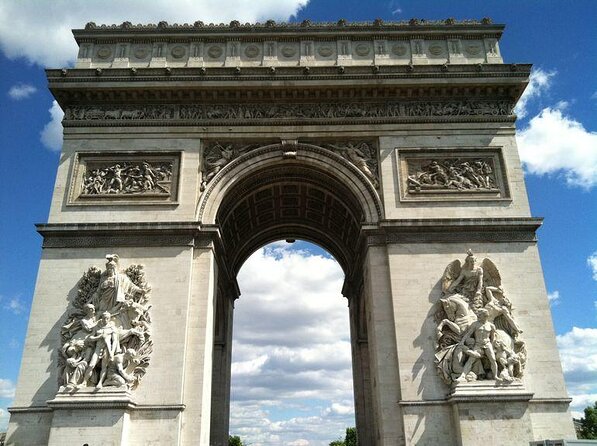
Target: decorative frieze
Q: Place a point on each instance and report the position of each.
(106, 339)
(452, 174)
(130, 178)
(258, 112)
(477, 336)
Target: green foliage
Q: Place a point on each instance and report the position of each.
(349, 440)
(351, 437)
(588, 424)
(235, 441)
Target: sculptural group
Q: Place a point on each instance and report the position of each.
(477, 337)
(106, 339)
(454, 174)
(128, 178)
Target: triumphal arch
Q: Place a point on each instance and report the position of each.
(187, 147)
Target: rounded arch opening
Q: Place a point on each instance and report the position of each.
(301, 192)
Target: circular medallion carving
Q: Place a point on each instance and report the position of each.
(325, 51)
(473, 49)
(141, 53)
(252, 51)
(436, 50)
(362, 49)
(104, 52)
(399, 49)
(215, 51)
(288, 51)
(178, 52)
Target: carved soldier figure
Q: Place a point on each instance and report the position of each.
(114, 287)
(483, 333)
(470, 279)
(106, 346)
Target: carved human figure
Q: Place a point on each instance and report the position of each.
(107, 344)
(116, 183)
(358, 157)
(507, 361)
(498, 305)
(114, 287)
(483, 332)
(214, 165)
(75, 352)
(116, 370)
(470, 280)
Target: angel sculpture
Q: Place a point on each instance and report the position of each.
(477, 337)
(114, 348)
(216, 157)
(363, 157)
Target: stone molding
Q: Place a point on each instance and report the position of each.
(307, 43)
(454, 230)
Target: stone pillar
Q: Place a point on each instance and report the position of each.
(383, 357)
(199, 348)
(361, 375)
(222, 362)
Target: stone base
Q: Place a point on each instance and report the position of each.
(489, 390)
(90, 397)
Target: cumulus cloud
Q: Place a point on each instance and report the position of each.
(554, 143)
(21, 91)
(3, 419)
(554, 297)
(7, 388)
(291, 369)
(539, 82)
(578, 351)
(592, 262)
(41, 31)
(51, 135)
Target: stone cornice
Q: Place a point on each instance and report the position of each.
(483, 26)
(454, 230)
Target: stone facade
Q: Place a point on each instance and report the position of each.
(186, 147)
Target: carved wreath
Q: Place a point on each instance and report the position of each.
(106, 340)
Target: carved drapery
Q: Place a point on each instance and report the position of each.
(477, 337)
(106, 339)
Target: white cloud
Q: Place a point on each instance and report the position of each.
(15, 305)
(21, 91)
(553, 143)
(291, 370)
(592, 262)
(539, 82)
(578, 351)
(3, 419)
(7, 388)
(41, 31)
(51, 135)
(554, 297)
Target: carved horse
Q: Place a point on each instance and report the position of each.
(460, 316)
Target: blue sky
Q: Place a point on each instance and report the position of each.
(558, 139)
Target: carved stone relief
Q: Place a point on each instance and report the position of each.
(363, 155)
(118, 177)
(106, 339)
(451, 174)
(261, 111)
(477, 337)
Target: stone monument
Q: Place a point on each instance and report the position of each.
(187, 147)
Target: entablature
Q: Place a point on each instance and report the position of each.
(289, 44)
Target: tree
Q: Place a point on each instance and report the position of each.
(351, 437)
(235, 441)
(588, 424)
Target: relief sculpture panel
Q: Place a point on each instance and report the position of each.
(106, 339)
(446, 174)
(126, 178)
(477, 336)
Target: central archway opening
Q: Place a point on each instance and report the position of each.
(291, 352)
(304, 193)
